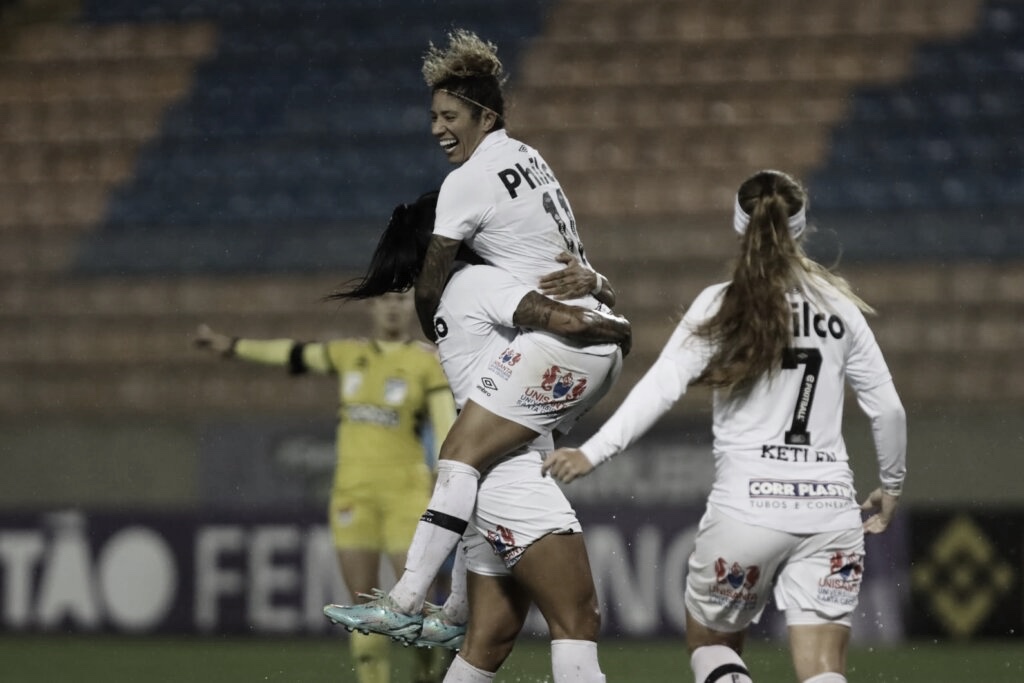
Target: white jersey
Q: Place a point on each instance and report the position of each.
(780, 458)
(507, 206)
(473, 324)
(536, 379)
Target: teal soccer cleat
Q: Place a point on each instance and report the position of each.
(378, 615)
(439, 632)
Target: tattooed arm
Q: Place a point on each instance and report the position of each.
(437, 265)
(579, 324)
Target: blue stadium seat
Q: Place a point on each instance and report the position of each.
(310, 119)
(944, 143)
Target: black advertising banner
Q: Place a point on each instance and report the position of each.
(271, 573)
(966, 573)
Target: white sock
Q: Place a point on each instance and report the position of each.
(437, 532)
(827, 677)
(575, 661)
(718, 664)
(456, 607)
(462, 671)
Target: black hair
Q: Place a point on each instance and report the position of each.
(398, 258)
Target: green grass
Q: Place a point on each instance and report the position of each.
(92, 659)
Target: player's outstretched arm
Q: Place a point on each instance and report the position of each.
(575, 281)
(298, 357)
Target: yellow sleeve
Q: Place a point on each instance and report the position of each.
(265, 351)
(297, 356)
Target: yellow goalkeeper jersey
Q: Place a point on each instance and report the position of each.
(387, 393)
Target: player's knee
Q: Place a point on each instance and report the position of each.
(487, 651)
(582, 622)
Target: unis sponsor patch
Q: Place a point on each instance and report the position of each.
(558, 387)
(842, 584)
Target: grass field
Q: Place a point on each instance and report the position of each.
(67, 659)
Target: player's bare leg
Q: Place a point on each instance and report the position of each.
(819, 649)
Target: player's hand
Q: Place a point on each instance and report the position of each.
(566, 464)
(206, 338)
(881, 507)
(572, 282)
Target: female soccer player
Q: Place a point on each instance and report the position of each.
(776, 343)
(388, 387)
(523, 531)
(504, 202)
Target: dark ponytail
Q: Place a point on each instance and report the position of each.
(398, 258)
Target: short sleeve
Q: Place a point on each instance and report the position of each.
(463, 206)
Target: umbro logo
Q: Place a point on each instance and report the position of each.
(488, 383)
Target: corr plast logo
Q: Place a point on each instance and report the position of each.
(963, 576)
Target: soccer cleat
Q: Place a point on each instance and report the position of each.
(378, 615)
(438, 631)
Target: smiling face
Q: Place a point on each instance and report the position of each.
(453, 124)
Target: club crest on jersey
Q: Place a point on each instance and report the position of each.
(734, 584)
(351, 383)
(395, 390)
(847, 565)
(503, 364)
(735, 574)
(503, 541)
(557, 388)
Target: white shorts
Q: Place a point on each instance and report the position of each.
(816, 577)
(544, 384)
(515, 506)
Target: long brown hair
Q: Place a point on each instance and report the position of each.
(755, 322)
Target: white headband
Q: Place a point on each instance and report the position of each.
(469, 100)
(740, 220)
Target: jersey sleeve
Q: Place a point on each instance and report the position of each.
(462, 206)
(298, 357)
(681, 361)
(869, 376)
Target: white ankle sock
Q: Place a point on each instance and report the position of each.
(437, 532)
(827, 677)
(718, 664)
(462, 671)
(575, 661)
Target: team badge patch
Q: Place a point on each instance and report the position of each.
(503, 541)
(503, 364)
(395, 391)
(736, 575)
(558, 388)
(734, 585)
